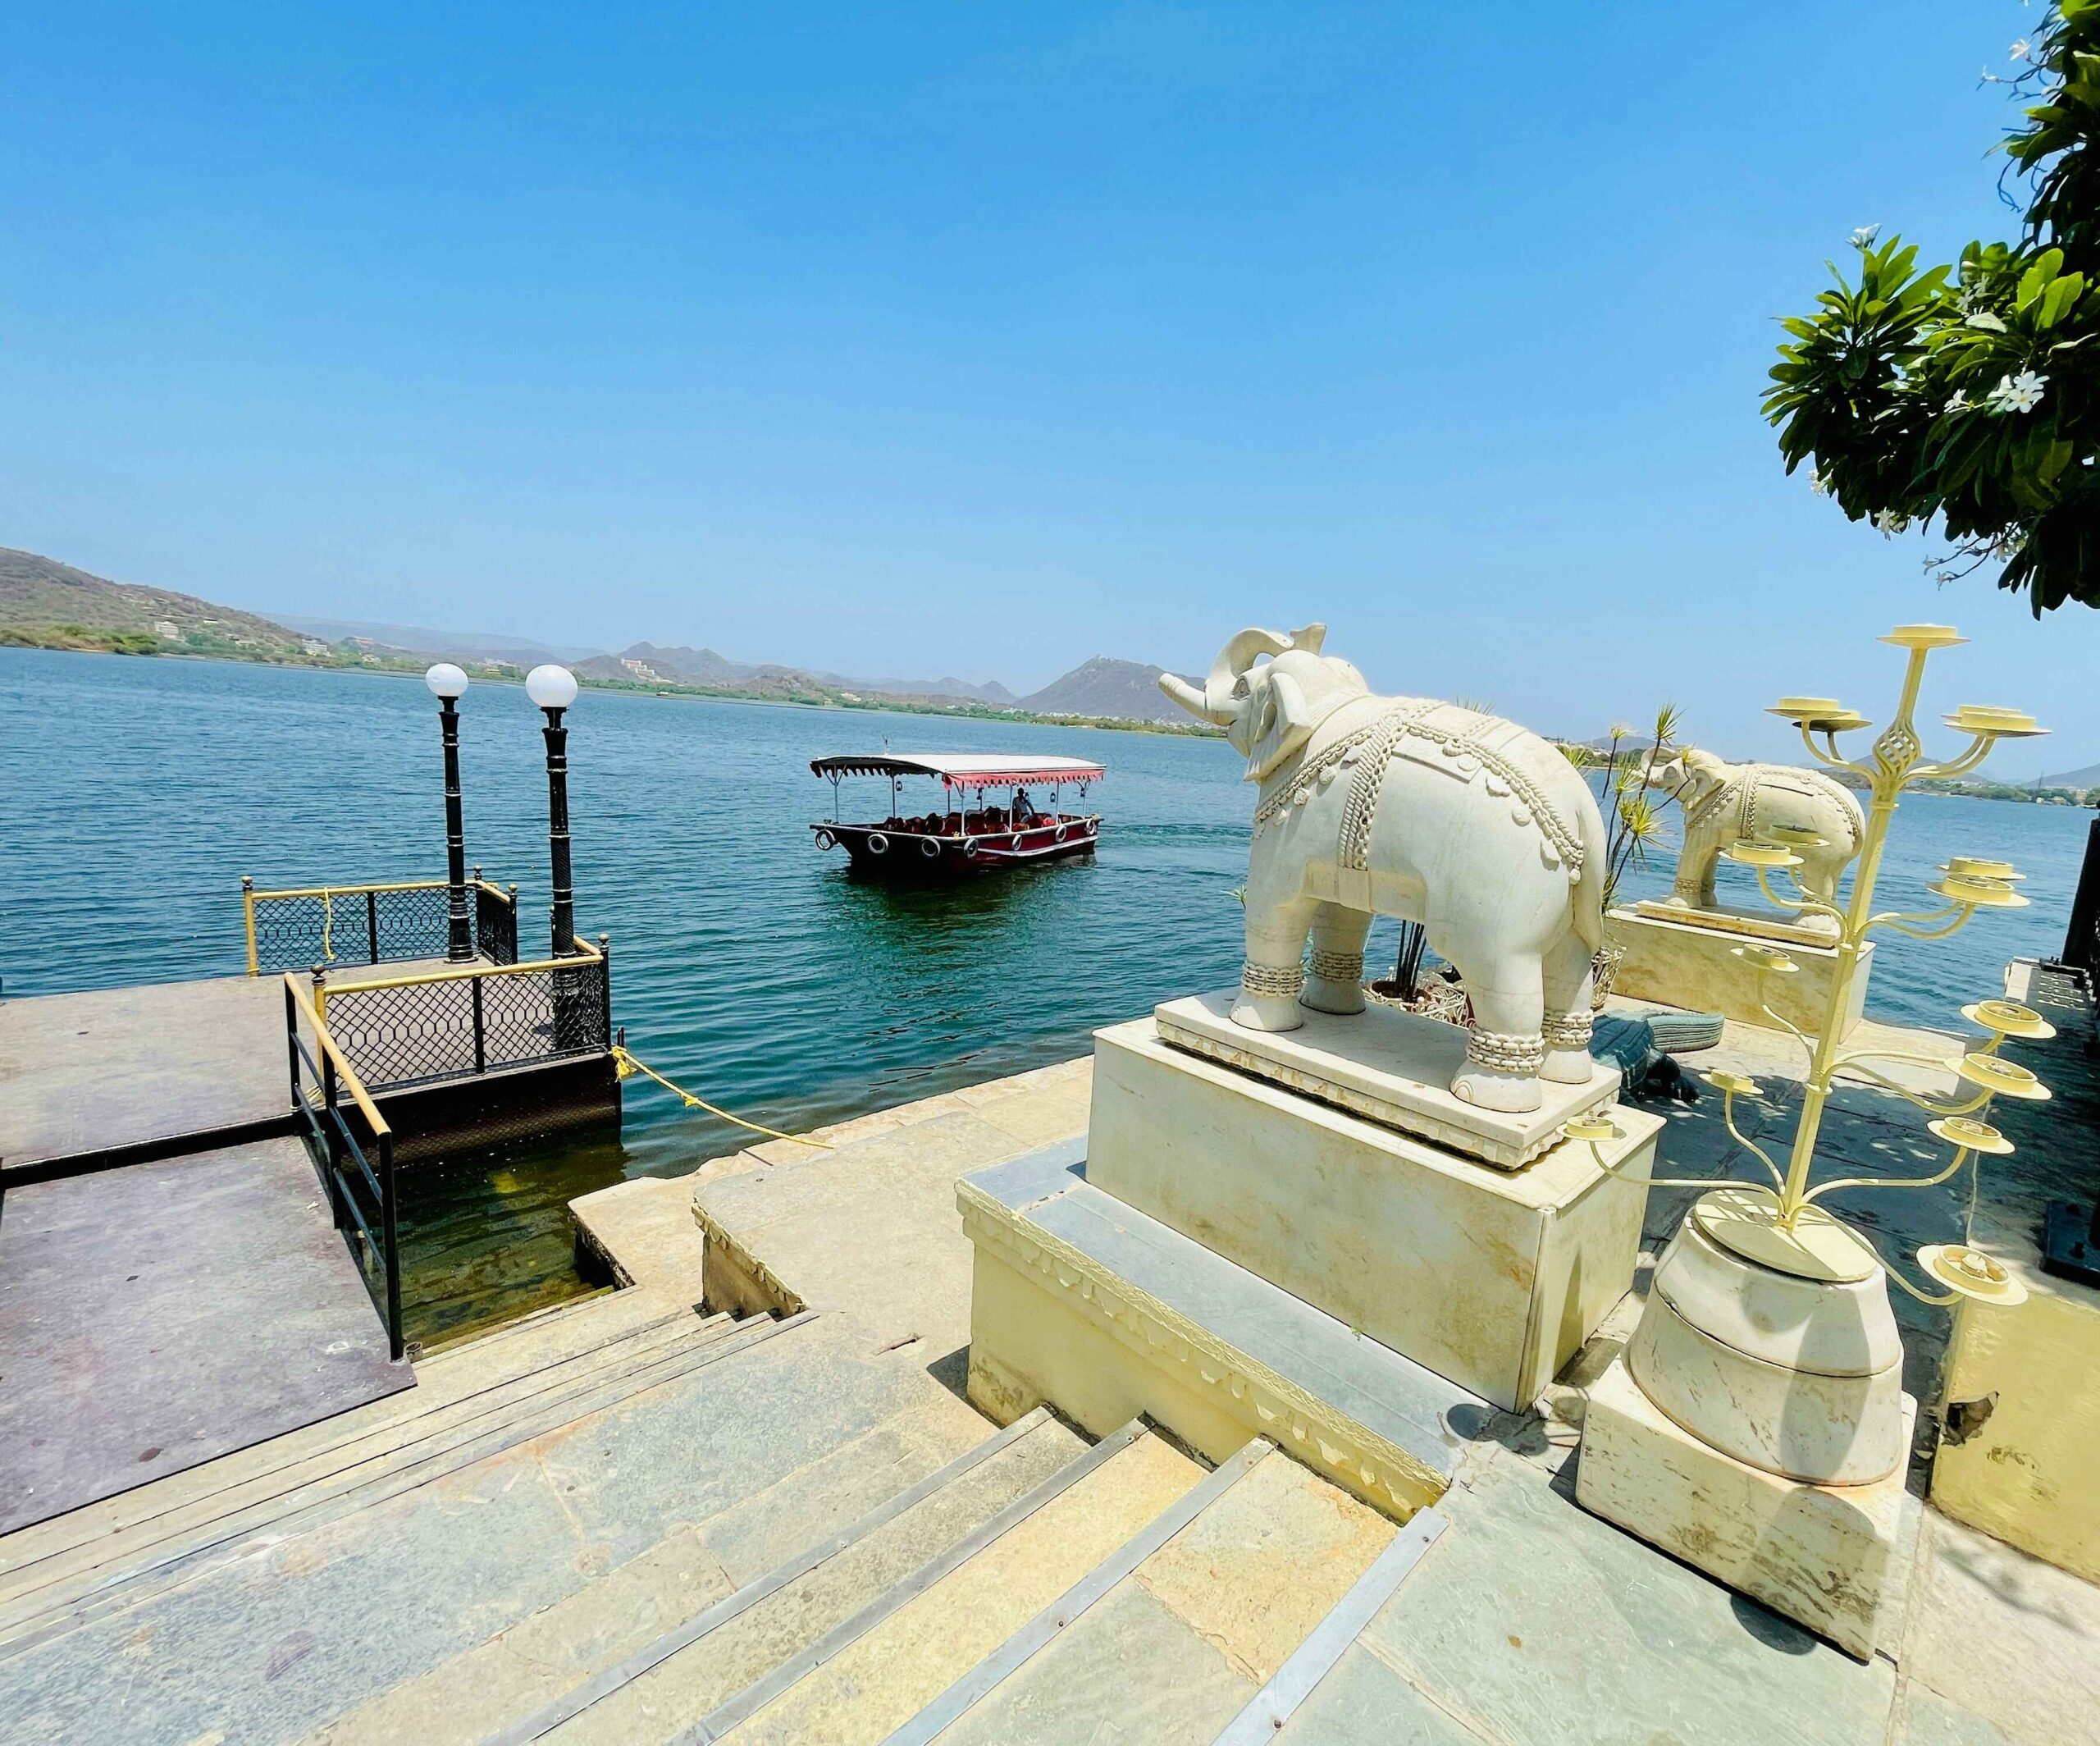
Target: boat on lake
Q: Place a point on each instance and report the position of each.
(969, 831)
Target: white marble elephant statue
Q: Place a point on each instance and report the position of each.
(1407, 807)
(1724, 802)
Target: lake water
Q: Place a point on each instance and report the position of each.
(746, 964)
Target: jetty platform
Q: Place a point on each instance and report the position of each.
(198, 1247)
(741, 1498)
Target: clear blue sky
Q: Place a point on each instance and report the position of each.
(979, 340)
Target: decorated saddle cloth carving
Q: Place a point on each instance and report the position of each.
(1456, 742)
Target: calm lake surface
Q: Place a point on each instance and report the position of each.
(746, 964)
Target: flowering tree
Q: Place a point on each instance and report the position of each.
(1966, 392)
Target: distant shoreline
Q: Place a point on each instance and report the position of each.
(384, 668)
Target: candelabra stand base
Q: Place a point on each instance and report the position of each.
(1823, 1555)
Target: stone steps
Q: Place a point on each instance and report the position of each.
(610, 1663)
(1031, 1588)
(666, 1492)
(360, 1468)
(565, 1334)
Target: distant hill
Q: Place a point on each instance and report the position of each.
(1104, 686)
(45, 604)
(688, 667)
(468, 646)
(2088, 776)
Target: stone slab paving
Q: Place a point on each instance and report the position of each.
(1532, 1621)
(869, 1228)
(156, 1316)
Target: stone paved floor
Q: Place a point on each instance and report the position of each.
(1530, 1620)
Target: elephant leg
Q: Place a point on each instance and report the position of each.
(1818, 878)
(1274, 974)
(1694, 886)
(1567, 1024)
(1336, 982)
(1505, 1049)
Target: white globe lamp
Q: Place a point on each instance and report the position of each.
(446, 681)
(551, 687)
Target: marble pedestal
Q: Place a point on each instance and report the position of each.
(1825, 1555)
(1388, 1065)
(1490, 1278)
(1688, 963)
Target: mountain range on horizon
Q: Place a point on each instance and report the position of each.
(46, 603)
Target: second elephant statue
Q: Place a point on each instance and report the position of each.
(1407, 806)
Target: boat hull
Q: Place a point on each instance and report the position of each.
(892, 852)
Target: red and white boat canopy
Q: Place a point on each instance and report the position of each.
(962, 769)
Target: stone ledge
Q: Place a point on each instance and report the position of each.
(1366, 1418)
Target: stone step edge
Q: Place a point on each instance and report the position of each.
(1266, 1713)
(682, 1636)
(762, 1691)
(1376, 1470)
(130, 1587)
(964, 1693)
(387, 1424)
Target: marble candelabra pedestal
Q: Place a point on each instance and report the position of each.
(1491, 1274)
(1825, 1555)
(1756, 1425)
(1687, 958)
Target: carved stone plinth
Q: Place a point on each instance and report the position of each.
(1390, 1066)
(1683, 962)
(1489, 1277)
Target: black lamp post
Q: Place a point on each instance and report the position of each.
(554, 689)
(448, 684)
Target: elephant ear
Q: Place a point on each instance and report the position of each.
(1283, 723)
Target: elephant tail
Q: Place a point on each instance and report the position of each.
(1589, 893)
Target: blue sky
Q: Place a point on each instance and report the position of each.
(973, 340)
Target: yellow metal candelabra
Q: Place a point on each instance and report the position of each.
(1783, 1226)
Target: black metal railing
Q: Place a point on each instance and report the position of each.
(495, 921)
(372, 924)
(463, 1019)
(359, 1174)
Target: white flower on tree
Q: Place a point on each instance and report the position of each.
(2022, 50)
(1891, 523)
(1957, 401)
(2021, 393)
(1864, 236)
(1816, 482)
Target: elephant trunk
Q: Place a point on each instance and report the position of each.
(1194, 700)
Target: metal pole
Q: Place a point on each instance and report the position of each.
(247, 908)
(2079, 937)
(392, 1238)
(564, 894)
(460, 942)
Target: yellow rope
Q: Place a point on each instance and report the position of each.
(627, 1065)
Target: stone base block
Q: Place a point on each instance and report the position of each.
(1491, 1278)
(1392, 1067)
(1685, 963)
(1826, 1556)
